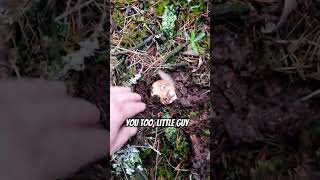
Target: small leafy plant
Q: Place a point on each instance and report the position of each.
(194, 41)
(179, 141)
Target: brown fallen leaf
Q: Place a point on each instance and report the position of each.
(165, 88)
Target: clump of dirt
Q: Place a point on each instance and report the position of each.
(260, 113)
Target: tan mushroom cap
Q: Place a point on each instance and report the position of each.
(165, 90)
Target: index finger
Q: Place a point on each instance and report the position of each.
(131, 109)
(24, 89)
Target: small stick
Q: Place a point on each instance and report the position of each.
(315, 93)
(73, 10)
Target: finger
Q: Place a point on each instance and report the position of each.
(33, 88)
(130, 109)
(65, 152)
(70, 111)
(124, 135)
(118, 89)
(126, 97)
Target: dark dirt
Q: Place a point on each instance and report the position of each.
(189, 95)
(261, 128)
(95, 171)
(191, 98)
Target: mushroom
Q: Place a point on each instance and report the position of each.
(164, 88)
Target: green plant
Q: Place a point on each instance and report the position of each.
(194, 41)
(118, 17)
(171, 134)
(161, 6)
(179, 142)
(197, 6)
(166, 114)
(165, 173)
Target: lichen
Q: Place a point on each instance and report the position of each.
(168, 21)
(127, 159)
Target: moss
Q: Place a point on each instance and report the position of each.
(171, 134)
(178, 140)
(134, 36)
(165, 172)
(193, 114)
(161, 6)
(118, 17)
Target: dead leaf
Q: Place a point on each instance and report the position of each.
(199, 65)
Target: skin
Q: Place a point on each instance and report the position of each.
(123, 105)
(45, 134)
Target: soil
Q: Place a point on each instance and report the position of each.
(263, 127)
(191, 98)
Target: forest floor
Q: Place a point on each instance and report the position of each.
(174, 37)
(265, 82)
(266, 89)
(69, 41)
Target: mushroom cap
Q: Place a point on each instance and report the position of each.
(165, 91)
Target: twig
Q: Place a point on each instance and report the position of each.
(76, 8)
(130, 51)
(149, 147)
(157, 162)
(174, 52)
(176, 168)
(124, 172)
(315, 93)
(145, 42)
(99, 27)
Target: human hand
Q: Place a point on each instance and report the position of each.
(123, 104)
(44, 134)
